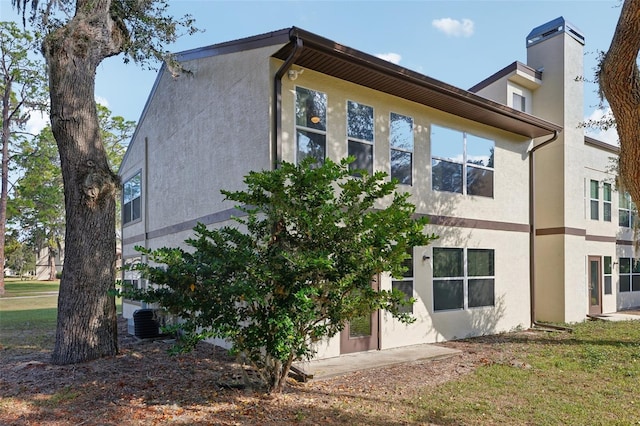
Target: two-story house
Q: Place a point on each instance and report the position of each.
(525, 205)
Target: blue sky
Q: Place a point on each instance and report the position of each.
(458, 42)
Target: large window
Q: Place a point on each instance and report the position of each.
(401, 141)
(463, 278)
(626, 210)
(360, 136)
(131, 197)
(405, 285)
(629, 274)
(311, 124)
(461, 162)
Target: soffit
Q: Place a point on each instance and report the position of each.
(333, 59)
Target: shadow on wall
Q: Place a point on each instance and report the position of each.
(460, 324)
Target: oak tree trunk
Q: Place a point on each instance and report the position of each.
(620, 84)
(87, 324)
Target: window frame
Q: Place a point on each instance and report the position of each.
(632, 273)
(360, 141)
(400, 149)
(464, 279)
(594, 199)
(130, 204)
(607, 207)
(629, 208)
(464, 163)
(318, 131)
(405, 283)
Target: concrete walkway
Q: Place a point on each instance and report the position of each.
(330, 367)
(632, 315)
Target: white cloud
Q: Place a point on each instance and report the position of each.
(608, 135)
(37, 121)
(394, 58)
(102, 101)
(454, 27)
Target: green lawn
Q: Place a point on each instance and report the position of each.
(589, 377)
(28, 314)
(15, 287)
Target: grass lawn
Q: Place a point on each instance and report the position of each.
(14, 287)
(589, 377)
(28, 313)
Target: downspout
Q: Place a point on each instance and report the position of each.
(276, 142)
(532, 235)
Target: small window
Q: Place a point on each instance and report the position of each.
(626, 210)
(405, 285)
(629, 274)
(311, 125)
(131, 199)
(132, 278)
(463, 278)
(360, 133)
(606, 202)
(519, 102)
(401, 141)
(461, 162)
(594, 200)
(607, 275)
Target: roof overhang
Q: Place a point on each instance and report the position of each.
(333, 59)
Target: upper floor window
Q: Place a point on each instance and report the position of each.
(401, 141)
(519, 102)
(360, 135)
(463, 278)
(626, 210)
(311, 124)
(461, 162)
(594, 199)
(606, 202)
(131, 198)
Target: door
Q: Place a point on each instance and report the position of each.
(595, 285)
(362, 333)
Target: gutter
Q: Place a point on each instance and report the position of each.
(532, 237)
(276, 142)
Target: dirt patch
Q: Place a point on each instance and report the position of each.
(143, 385)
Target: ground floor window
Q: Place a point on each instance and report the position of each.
(405, 285)
(629, 274)
(607, 275)
(463, 278)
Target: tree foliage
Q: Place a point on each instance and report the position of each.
(619, 80)
(77, 35)
(295, 270)
(22, 87)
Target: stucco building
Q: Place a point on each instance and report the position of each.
(531, 225)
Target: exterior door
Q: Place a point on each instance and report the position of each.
(362, 334)
(595, 285)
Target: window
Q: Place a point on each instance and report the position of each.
(626, 210)
(606, 202)
(519, 102)
(401, 141)
(405, 285)
(463, 278)
(461, 162)
(131, 196)
(311, 124)
(607, 275)
(360, 136)
(629, 274)
(594, 196)
(131, 278)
